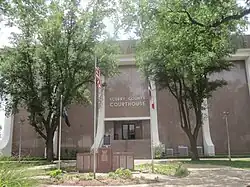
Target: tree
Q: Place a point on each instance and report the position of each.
(53, 55)
(1, 128)
(182, 43)
(3, 8)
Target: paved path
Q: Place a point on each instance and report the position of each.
(220, 177)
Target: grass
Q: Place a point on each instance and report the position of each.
(16, 175)
(27, 158)
(24, 163)
(21, 165)
(171, 168)
(243, 164)
(218, 156)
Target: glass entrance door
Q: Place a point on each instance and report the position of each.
(128, 131)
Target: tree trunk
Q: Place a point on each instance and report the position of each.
(49, 148)
(193, 144)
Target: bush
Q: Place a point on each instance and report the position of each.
(181, 171)
(159, 150)
(12, 176)
(164, 169)
(121, 173)
(124, 173)
(69, 154)
(112, 175)
(86, 177)
(57, 173)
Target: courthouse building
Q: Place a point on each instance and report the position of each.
(126, 114)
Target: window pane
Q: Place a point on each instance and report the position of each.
(125, 132)
(131, 131)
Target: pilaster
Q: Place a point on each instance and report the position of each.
(6, 142)
(247, 64)
(153, 115)
(209, 149)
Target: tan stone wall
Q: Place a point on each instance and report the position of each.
(127, 94)
(78, 137)
(233, 98)
(32, 143)
(170, 131)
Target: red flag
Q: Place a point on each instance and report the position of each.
(98, 77)
(150, 95)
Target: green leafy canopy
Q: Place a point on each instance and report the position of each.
(182, 44)
(53, 55)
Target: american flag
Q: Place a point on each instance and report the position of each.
(150, 96)
(65, 116)
(98, 77)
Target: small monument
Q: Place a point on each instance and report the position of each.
(107, 160)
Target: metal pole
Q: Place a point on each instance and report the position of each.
(151, 131)
(228, 136)
(60, 134)
(152, 148)
(94, 169)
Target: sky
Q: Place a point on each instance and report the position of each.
(5, 32)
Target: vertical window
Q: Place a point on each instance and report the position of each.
(128, 131)
(131, 133)
(124, 132)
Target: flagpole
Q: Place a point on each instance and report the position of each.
(151, 104)
(95, 120)
(60, 134)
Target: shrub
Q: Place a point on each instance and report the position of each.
(159, 150)
(164, 169)
(12, 176)
(90, 176)
(86, 177)
(181, 171)
(112, 175)
(55, 173)
(121, 173)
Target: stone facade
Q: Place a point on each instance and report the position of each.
(127, 103)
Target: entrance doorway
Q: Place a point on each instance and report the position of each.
(128, 131)
(130, 136)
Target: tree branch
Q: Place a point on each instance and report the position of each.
(232, 17)
(215, 23)
(33, 124)
(192, 20)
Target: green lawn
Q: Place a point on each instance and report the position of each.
(15, 174)
(170, 168)
(25, 164)
(244, 163)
